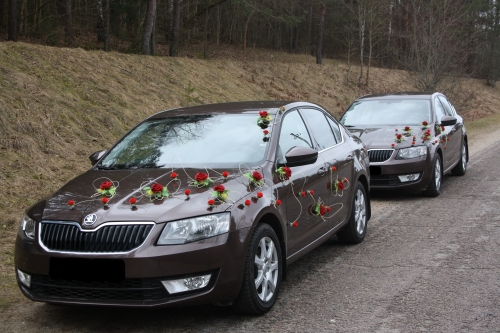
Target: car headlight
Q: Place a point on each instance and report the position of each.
(411, 152)
(193, 229)
(27, 226)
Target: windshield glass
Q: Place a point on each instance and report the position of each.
(214, 141)
(391, 112)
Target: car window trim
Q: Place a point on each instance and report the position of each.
(309, 128)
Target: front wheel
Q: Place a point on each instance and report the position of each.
(263, 270)
(354, 231)
(434, 188)
(461, 168)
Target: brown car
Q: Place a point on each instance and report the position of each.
(413, 139)
(204, 204)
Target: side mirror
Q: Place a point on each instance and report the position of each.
(95, 157)
(298, 156)
(448, 121)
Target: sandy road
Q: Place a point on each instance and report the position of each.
(427, 265)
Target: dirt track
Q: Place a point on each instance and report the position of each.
(426, 265)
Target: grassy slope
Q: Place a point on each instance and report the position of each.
(59, 105)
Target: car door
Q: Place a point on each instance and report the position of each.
(454, 144)
(338, 157)
(445, 134)
(296, 191)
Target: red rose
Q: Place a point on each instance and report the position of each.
(278, 202)
(288, 172)
(345, 180)
(393, 145)
(105, 200)
(247, 202)
(295, 224)
(311, 192)
(173, 175)
(329, 208)
(442, 128)
(260, 195)
(106, 185)
(256, 175)
(407, 128)
(132, 201)
(436, 141)
(413, 142)
(156, 188)
(322, 210)
(263, 114)
(303, 193)
(219, 188)
(211, 202)
(340, 186)
(396, 129)
(225, 174)
(424, 138)
(399, 136)
(334, 168)
(71, 202)
(266, 132)
(201, 176)
(425, 123)
(187, 192)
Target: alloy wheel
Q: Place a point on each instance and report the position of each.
(360, 212)
(266, 269)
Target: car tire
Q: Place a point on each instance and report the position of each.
(461, 168)
(434, 187)
(355, 230)
(263, 270)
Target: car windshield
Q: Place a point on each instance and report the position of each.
(387, 112)
(214, 141)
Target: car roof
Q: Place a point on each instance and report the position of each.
(230, 107)
(399, 95)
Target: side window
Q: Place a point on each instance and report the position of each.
(319, 126)
(440, 113)
(293, 133)
(446, 106)
(335, 129)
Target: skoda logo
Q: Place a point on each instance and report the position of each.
(90, 219)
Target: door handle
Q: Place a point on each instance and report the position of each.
(322, 171)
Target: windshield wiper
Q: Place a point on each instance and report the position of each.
(148, 166)
(111, 167)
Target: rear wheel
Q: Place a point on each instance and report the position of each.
(461, 168)
(354, 231)
(434, 188)
(263, 270)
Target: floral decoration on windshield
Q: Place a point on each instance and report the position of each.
(425, 125)
(264, 119)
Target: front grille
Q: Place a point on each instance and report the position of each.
(379, 155)
(126, 290)
(109, 238)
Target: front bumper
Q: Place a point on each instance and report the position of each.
(145, 268)
(386, 175)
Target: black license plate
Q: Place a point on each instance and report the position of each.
(87, 270)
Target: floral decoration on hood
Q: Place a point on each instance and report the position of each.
(156, 191)
(201, 179)
(255, 178)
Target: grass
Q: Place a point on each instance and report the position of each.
(59, 105)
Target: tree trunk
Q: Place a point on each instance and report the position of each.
(245, 29)
(100, 22)
(362, 22)
(168, 21)
(309, 30)
(148, 27)
(175, 29)
(68, 28)
(319, 49)
(12, 30)
(106, 27)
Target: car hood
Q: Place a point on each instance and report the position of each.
(384, 136)
(129, 183)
